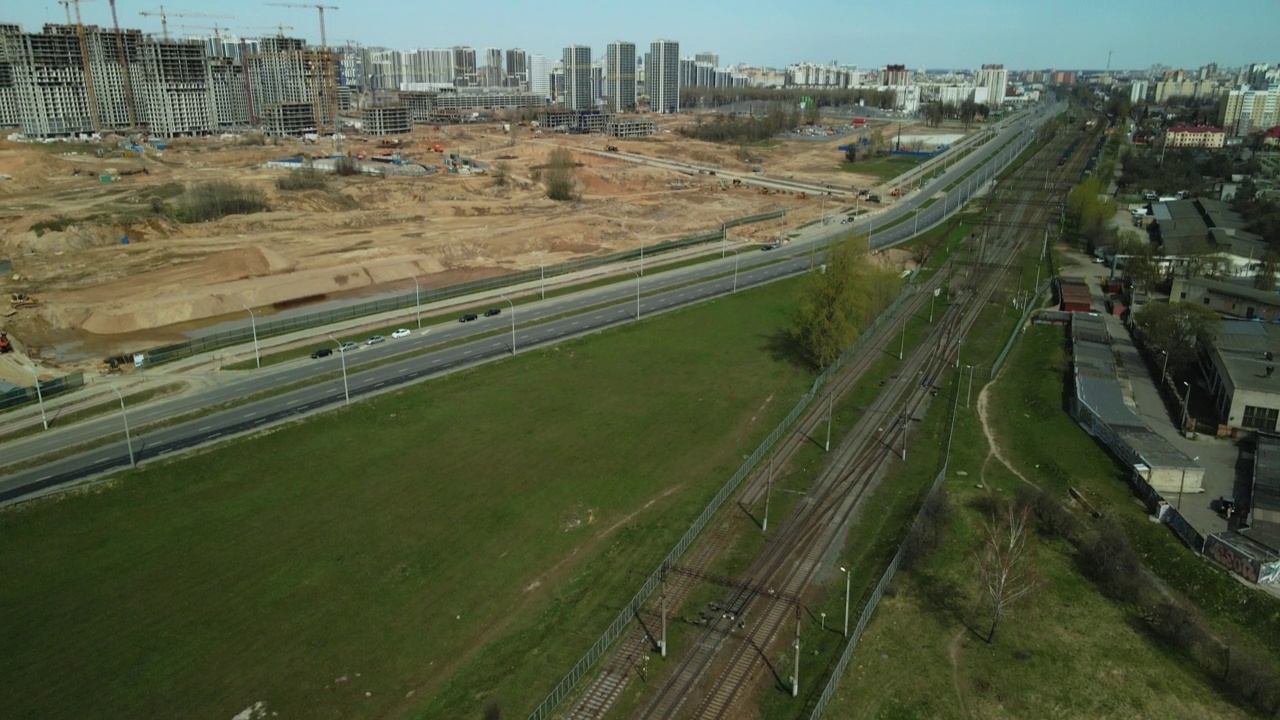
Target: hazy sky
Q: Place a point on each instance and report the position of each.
(930, 33)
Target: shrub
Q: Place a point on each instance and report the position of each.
(559, 178)
(345, 166)
(1052, 517)
(304, 179)
(213, 200)
(56, 224)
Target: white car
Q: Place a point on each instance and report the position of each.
(402, 332)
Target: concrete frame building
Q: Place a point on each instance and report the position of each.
(465, 73)
(662, 76)
(620, 76)
(577, 78)
(386, 120)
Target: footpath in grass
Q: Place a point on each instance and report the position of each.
(1066, 650)
(420, 554)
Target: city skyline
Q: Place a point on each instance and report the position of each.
(1136, 35)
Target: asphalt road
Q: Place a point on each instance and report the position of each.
(576, 314)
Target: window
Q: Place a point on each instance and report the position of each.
(1182, 296)
(1260, 418)
(1206, 301)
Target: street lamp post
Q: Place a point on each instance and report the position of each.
(417, 301)
(542, 276)
(735, 273)
(125, 416)
(847, 579)
(253, 322)
(902, 347)
(1164, 369)
(633, 272)
(513, 322)
(342, 355)
(768, 486)
(40, 397)
(827, 447)
(1182, 484)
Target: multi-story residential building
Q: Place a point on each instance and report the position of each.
(577, 78)
(540, 69)
(1197, 89)
(995, 79)
(493, 74)
(1246, 111)
(1138, 91)
(895, 76)
(707, 58)
(1198, 136)
(818, 76)
(517, 68)
(620, 76)
(662, 76)
(465, 72)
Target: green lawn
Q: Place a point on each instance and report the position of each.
(1067, 651)
(420, 554)
(884, 168)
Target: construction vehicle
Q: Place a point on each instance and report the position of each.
(611, 148)
(5, 345)
(897, 192)
(437, 147)
(21, 300)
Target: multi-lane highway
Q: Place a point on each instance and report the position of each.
(411, 359)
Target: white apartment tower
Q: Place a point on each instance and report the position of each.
(540, 69)
(662, 76)
(995, 79)
(577, 78)
(620, 76)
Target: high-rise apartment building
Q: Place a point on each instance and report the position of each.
(620, 76)
(995, 79)
(707, 58)
(1138, 91)
(1246, 111)
(465, 72)
(577, 78)
(662, 76)
(494, 71)
(540, 69)
(517, 68)
(895, 76)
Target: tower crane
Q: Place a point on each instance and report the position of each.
(278, 28)
(328, 69)
(164, 18)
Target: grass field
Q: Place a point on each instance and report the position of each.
(884, 168)
(1067, 651)
(421, 554)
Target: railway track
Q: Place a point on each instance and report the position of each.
(830, 504)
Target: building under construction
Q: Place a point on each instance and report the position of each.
(386, 120)
(73, 80)
(449, 106)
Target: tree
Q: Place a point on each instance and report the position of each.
(1002, 562)
(1265, 279)
(851, 153)
(501, 173)
(1140, 267)
(836, 303)
(1176, 328)
(559, 178)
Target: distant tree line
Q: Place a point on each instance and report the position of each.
(745, 129)
(935, 112)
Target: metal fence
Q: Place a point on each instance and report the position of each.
(1013, 336)
(28, 395)
(269, 328)
(624, 618)
(869, 609)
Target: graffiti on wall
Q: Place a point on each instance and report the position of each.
(1270, 574)
(1231, 559)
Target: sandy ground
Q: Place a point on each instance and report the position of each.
(360, 235)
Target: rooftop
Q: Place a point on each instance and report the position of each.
(1197, 129)
(1243, 346)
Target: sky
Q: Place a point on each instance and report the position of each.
(1021, 34)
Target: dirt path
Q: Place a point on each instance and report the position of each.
(953, 652)
(994, 449)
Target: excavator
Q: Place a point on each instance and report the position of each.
(5, 345)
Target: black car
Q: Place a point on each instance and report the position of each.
(492, 311)
(321, 353)
(468, 317)
(873, 198)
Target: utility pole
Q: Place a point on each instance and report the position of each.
(662, 644)
(768, 486)
(40, 396)
(902, 348)
(827, 447)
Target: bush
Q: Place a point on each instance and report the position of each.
(559, 178)
(345, 166)
(1109, 561)
(1052, 517)
(304, 179)
(56, 224)
(213, 200)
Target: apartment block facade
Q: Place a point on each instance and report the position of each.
(620, 76)
(662, 76)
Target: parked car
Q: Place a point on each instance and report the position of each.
(402, 332)
(375, 340)
(873, 198)
(349, 346)
(771, 246)
(323, 352)
(468, 317)
(846, 221)
(492, 311)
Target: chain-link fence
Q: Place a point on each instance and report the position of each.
(269, 328)
(1013, 336)
(28, 395)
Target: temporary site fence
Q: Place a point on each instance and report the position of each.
(269, 328)
(629, 612)
(27, 395)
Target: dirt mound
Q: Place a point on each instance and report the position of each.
(31, 169)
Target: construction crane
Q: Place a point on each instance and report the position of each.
(164, 18)
(66, 5)
(328, 69)
(278, 28)
(124, 69)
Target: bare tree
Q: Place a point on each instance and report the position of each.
(1002, 562)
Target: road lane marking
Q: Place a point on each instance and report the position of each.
(248, 415)
(206, 427)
